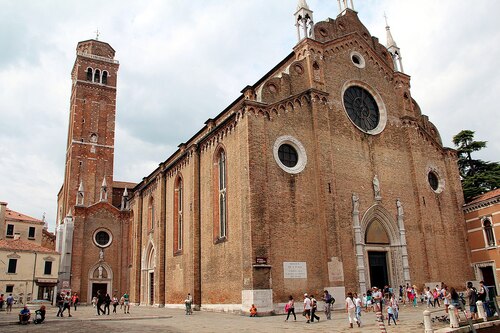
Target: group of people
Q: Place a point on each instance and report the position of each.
(101, 299)
(64, 302)
(9, 301)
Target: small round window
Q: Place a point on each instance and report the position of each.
(102, 238)
(435, 182)
(357, 59)
(289, 154)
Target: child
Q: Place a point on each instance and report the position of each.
(253, 311)
(390, 314)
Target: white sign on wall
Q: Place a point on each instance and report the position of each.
(294, 270)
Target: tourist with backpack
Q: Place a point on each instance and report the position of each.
(472, 295)
(329, 300)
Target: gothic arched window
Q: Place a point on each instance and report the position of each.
(488, 233)
(104, 77)
(151, 213)
(178, 218)
(89, 74)
(220, 220)
(97, 76)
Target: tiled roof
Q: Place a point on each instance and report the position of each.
(129, 185)
(24, 246)
(11, 215)
(485, 196)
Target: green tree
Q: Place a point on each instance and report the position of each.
(477, 175)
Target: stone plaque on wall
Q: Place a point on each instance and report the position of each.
(294, 270)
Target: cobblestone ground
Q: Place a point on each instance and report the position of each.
(145, 319)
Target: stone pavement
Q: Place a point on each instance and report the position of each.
(148, 319)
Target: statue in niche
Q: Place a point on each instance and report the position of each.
(376, 188)
(355, 203)
(99, 270)
(399, 205)
(101, 255)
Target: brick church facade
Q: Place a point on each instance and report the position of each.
(324, 174)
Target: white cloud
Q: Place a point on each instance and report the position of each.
(182, 62)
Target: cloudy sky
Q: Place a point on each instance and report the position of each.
(182, 62)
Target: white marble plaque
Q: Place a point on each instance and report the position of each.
(294, 270)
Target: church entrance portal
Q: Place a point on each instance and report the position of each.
(378, 268)
(102, 287)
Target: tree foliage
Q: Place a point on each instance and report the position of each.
(478, 176)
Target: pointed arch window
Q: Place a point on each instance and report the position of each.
(220, 218)
(178, 216)
(104, 77)
(489, 235)
(97, 76)
(89, 74)
(151, 213)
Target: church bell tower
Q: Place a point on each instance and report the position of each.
(91, 131)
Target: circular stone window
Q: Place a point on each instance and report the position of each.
(102, 238)
(290, 154)
(364, 107)
(357, 59)
(435, 182)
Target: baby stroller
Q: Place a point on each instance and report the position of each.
(38, 317)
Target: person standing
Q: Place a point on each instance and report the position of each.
(358, 304)
(350, 308)
(429, 297)
(390, 314)
(1, 302)
(10, 301)
(290, 308)
(377, 299)
(314, 307)
(472, 295)
(327, 298)
(395, 306)
(75, 299)
(114, 301)
(483, 297)
(107, 302)
(307, 308)
(126, 303)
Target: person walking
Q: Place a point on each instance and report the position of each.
(60, 304)
(75, 299)
(314, 307)
(395, 306)
(307, 308)
(290, 308)
(390, 314)
(482, 295)
(350, 308)
(358, 304)
(327, 298)
(107, 302)
(10, 301)
(1, 302)
(100, 302)
(67, 304)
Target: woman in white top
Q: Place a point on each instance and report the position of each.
(350, 308)
(358, 304)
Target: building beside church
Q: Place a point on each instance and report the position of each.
(482, 218)
(324, 174)
(29, 264)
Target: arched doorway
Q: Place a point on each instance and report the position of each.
(100, 279)
(148, 274)
(380, 248)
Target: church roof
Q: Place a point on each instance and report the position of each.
(14, 216)
(20, 245)
(118, 184)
